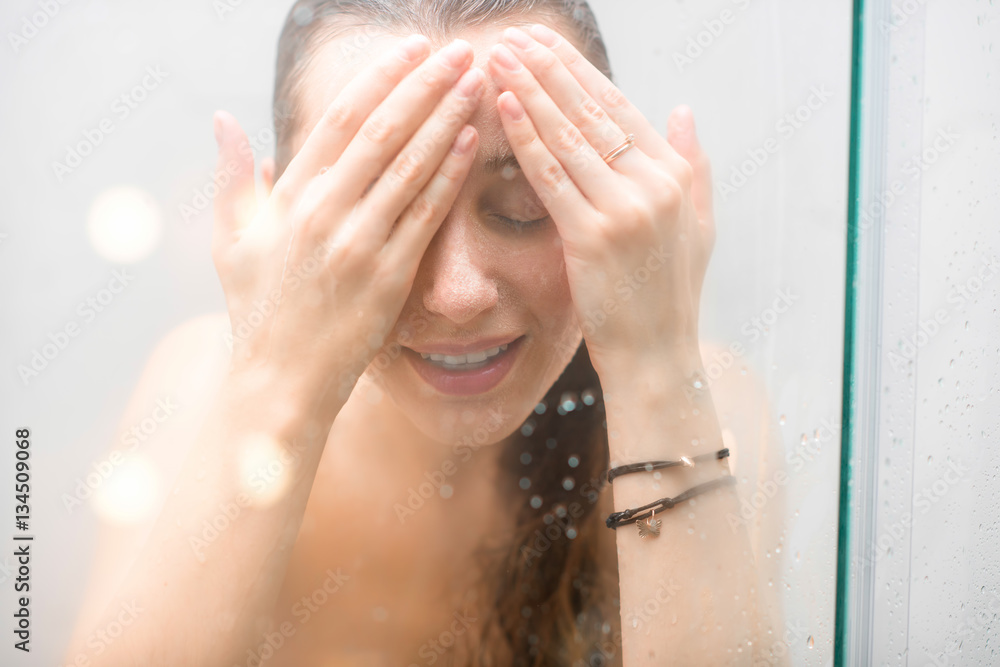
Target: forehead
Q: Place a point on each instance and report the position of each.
(339, 60)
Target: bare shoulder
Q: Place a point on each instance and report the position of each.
(152, 438)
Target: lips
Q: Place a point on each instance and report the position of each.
(444, 371)
(456, 349)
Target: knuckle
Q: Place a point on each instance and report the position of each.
(572, 58)
(613, 97)
(422, 210)
(546, 61)
(339, 115)
(553, 179)
(432, 75)
(408, 167)
(669, 197)
(590, 111)
(635, 214)
(387, 70)
(569, 138)
(377, 129)
(452, 172)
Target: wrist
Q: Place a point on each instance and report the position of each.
(281, 403)
(662, 412)
(663, 372)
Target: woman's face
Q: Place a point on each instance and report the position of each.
(483, 281)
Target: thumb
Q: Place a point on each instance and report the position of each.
(235, 204)
(682, 136)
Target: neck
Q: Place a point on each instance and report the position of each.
(386, 439)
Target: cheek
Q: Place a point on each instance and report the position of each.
(536, 273)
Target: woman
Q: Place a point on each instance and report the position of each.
(473, 286)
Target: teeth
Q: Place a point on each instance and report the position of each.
(470, 358)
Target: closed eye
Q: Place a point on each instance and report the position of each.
(520, 225)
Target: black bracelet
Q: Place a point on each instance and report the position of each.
(649, 466)
(617, 519)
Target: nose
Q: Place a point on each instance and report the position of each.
(453, 277)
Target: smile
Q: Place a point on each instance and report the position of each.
(465, 374)
(468, 361)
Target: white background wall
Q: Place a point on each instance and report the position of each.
(784, 229)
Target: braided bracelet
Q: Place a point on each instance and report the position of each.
(649, 466)
(617, 519)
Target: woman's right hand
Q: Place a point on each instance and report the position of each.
(317, 277)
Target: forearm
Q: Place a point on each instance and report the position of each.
(215, 560)
(687, 595)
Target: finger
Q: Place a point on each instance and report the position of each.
(391, 125)
(420, 221)
(682, 136)
(236, 204)
(351, 107)
(267, 175)
(595, 178)
(557, 191)
(576, 103)
(416, 163)
(605, 93)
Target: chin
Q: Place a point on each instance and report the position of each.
(477, 405)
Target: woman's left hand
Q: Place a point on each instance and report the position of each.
(636, 232)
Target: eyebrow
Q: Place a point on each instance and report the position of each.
(499, 161)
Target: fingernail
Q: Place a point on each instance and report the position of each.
(513, 106)
(463, 141)
(544, 34)
(219, 129)
(412, 47)
(518, 38)
(470, 82)
(506, 58)
(456, 52)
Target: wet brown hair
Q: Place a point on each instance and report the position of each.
(554, 588)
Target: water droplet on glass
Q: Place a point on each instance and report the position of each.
(810, 643)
